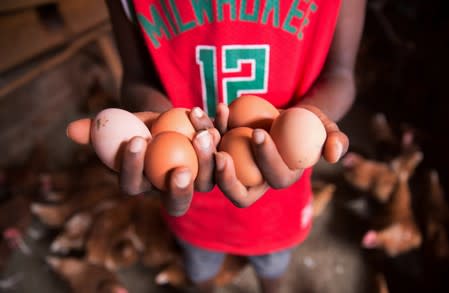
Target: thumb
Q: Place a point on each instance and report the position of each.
(79, 130)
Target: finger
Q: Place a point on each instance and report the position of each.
(199, 119)
(205, 148)
(335, 147)
(273, 168)
(216, 137)
(177, 200)
(221, 118)
(131, 179)
(337, 143)
(79, 131)
(232, 188)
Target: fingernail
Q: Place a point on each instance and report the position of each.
(339, 150)
(182, 179)
(259, 136)
(197, 112)
(136, 145)
(204, 139)
(219, 162)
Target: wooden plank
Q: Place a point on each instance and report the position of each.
(22, 37)
(56, 59)
(13, 5)
(81, 15)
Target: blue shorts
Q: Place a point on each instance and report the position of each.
(202, 265)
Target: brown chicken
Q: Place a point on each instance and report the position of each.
(388, 144)
(77, 227)
(375, 177)
(378, 178)
(400, 232)
(159, 246)
(436, 219)
(55, 215)
(84, 277)
(380, 284)
(125, 249)
(108, 226)
(322, 195)
(146, 237)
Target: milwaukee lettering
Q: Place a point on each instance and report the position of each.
(164, 20)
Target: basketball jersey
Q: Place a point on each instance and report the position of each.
(211, 51)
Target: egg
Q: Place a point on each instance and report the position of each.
(110, 130)
(167, 151)
(237, 143)
(175, 119)
(299, 136)
(251, 111)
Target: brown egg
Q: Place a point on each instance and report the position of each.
(175, 119)
(237, 143)
(251, 111)
(169, 150)
(299, 136)
(110, 130)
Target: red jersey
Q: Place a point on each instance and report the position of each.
(211, 51)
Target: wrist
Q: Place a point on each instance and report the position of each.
(139, 97)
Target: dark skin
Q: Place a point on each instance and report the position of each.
(330, 98)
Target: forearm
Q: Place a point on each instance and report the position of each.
(139, 96)
(333, 94)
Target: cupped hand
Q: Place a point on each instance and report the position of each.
(178, 197)
(337, 143)
(274, 170)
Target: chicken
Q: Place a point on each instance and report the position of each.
(15, 220)
(109, 225)
(371, 176)
(54, 187)
(84, 277)
(159, 246)
(400, 232)
(437, 219)
(55, 215)
(77, 227)
(125, 249)
(378, 178)
(385, 140)
(322, 194)
(389, 144)
(381, 285)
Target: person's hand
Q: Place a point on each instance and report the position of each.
(337, 143)
(132, 181)
(275, 172)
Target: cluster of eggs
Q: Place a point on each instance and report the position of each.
(297, 133)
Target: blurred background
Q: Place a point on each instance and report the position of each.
(381, 215)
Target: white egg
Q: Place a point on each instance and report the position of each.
(111, 130)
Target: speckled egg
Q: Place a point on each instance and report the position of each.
(110, 130)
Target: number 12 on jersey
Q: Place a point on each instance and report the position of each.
(232, 58)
